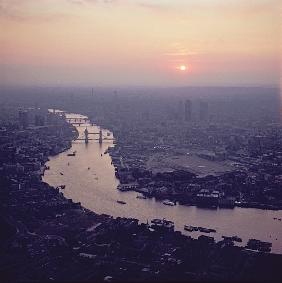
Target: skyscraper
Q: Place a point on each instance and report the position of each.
(204, 111)
(188, 110)
(24, 118)
(179, 111)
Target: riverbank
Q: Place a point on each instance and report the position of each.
(226, 190)
(50, 237)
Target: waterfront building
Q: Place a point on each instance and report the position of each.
(207, 198)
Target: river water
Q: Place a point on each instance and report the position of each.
(90, 179)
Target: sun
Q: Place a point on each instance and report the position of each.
(182, 68)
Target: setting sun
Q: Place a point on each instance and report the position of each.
(182, 68)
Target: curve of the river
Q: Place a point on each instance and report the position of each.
(90, 179)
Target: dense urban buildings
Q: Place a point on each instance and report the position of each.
(212, 164)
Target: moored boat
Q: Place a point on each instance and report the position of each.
(168, 202)
(206, 230)
(162, 224)
(188, 228)
(236, 239)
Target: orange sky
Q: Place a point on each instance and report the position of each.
(142, 42)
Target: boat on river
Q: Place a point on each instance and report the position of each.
(162, 224)
(168, 202)
(72, 154)
(121, 202)
(206, 230)
(261, 246)
(232, 238)
(188, 228)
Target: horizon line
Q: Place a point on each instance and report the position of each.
(52, 85)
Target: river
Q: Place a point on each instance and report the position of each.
(89, 178)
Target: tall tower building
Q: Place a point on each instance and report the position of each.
(179, 111)
(188, 110)
(204, 111)
(24, 118)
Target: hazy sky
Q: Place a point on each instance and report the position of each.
(142, 42)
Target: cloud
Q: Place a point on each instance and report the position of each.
(43, 10)
(181, 53)
(11, 9)
(76, 2)
(19, 10)
(81, 2)
(178, 49)
(152, 6)
(231, 6)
